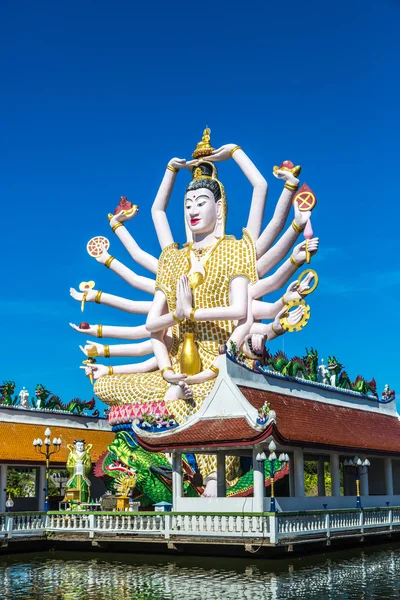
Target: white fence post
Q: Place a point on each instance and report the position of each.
(273, 529)
(91, 525)
(362, 520)
(390, 519)
(328, 525)
(9, 526)
(167, 525)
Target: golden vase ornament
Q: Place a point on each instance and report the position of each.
(190, 358)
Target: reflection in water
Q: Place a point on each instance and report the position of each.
(82, 576)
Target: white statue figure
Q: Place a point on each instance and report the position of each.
(323, 375)
(24, 399)
(206, 293)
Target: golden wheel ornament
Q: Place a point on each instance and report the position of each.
(97, 245)
(286, 326)
(314, 285)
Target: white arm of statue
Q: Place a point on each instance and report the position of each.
(131, 306)
(142, 258)
(145, 366)
(277, 223)
(287, 270)
(158, 319)
(266, 310)
(260, 186)
(236, 311)
(158, 210)
(137, 281)
(275, 254)
(140, 349)
(111, 331)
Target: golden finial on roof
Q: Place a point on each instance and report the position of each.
(204, 147)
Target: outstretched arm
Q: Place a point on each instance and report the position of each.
(131, 306)
(96, 349)
(111, 331)
(98, 370)
(277, 223)
(275, 254)
(295, 291)
(143, 258)
(137, 281)
(158, 210)
(260, 186)
(287, 270)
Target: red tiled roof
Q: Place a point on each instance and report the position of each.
(306, 423)
(300, 422)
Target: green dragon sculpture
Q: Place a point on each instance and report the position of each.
(45, 400)
(153, 473)
(304, 368)
(339, 378)
(7, 389)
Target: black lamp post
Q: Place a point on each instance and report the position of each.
(359, 467)
(47, 453)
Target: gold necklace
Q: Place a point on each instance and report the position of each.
(197, 277)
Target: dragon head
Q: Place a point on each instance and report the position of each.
(311, 356)
(41, 391)
(334, 365)
(7, 387)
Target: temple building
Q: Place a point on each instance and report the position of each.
(19, 427)
(351, 438)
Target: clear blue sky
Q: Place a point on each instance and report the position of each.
(98, 96)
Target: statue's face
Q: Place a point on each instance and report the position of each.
(201, 210)
(80, 446)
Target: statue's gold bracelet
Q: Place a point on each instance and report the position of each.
(115, 227)
(232, 152)
(110, 371)
(191, 316)
(107, 352)
(166, 369)
(99, 331)
(98, 296)
(109, 261)
(294, 262)
(291, 186)
(214, 369)
(176, 319)
(296, 227)
(276, 332)
(173, 169)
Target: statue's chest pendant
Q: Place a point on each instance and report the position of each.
(197, 273)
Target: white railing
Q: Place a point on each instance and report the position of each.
(162, 524)
(22, 525)
(329, 523)
(280, 528)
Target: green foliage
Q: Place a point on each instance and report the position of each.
(21, 483)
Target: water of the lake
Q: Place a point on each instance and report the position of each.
(366, 574)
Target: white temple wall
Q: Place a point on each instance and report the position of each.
(214, 505)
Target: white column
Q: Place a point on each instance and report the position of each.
(299, 471)
(41, 488)
(3, 485)
(321, 476)
(388, 476)
(335, 474)
(292, 491)
(364, 484)
(176, 478)
(221, 475)
(258, 482)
